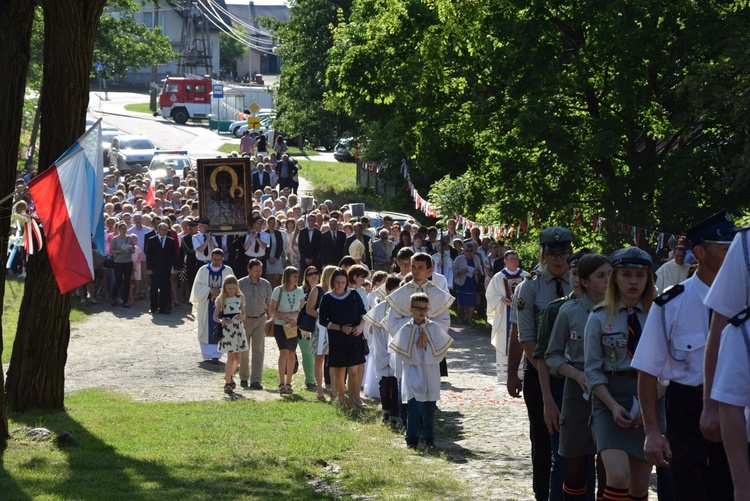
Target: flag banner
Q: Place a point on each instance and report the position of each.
(68, 200)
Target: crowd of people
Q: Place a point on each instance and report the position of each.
(622, 370)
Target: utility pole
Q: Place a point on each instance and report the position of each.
(154, 88)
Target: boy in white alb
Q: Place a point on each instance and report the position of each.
(420, 345)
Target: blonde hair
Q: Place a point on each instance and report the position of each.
(325, 278)
(228, 280)
(612, 297)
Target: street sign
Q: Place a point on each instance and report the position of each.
(219, 91)
(253, 123)
(253, 107)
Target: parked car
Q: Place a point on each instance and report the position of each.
(376, 218)
(344, 150)
(128, 151)
(176, 160)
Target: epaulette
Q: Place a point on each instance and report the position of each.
(532, 275)
(740, 318)
(669, 294)
(598, 307)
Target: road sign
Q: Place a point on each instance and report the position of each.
(253, 123)
(253, 107)
(218, 91)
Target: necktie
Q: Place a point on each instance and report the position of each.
(162, 242)
(205, 251)
(257, 243)
(634, 330)
(422, 340)
(559, 287)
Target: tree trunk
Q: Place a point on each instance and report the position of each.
(36, 378)
(15, 37)
(32, 141)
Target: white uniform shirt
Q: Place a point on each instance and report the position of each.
(730, 292)
(673, 349)
(732, 378)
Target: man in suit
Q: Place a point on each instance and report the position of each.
(261, 179)
(161, 259)
(310, 244)
(333, 245)
(362, 237)
(285, 172)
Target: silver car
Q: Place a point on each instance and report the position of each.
(128, 151)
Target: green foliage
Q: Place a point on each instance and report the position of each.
(123, 44)
(231, 49)
(305, 40)
(139, 108)
(291, 448)
(632, 110)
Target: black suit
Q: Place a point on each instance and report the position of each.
(366, 259)
(261, 180)
(310, 249)
(288, 181)
(159, 261)
(333, 249)
(146, 238)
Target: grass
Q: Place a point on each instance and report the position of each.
(139, 108)
(12, 305)
(291, 448)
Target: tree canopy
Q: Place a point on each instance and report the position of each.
(123, 44)
(632, 110)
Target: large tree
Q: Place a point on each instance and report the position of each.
(305, 40)
(626, 109)
(15, 36)
(37, 369)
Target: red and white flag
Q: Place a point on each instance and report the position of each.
(68, 199)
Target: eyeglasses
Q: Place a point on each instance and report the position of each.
(423, 309)
(557, 255)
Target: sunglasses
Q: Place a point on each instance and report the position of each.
(313, 273)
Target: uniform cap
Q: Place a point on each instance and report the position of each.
(576, 256)
(204, 221)
(192, 223)
(717, 229)
(556, 239)
(630, 257)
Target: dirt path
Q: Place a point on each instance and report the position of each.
(481, 429)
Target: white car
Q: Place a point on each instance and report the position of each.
(266, 122)
(128, 151)
(176, 160)
(107, 137)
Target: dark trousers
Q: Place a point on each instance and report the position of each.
(123, 272)
(700, 469)
(557, 469)
(541, 448)
(389, 396)
(161, 292)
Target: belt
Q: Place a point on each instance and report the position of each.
(684, 387)
(261, 315)
(625, 374)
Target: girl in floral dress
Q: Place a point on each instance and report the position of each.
(231, 305)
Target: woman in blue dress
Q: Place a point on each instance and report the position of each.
(467, 275)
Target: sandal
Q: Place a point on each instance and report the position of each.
(289, 390)
(228, 389)
(233, 384)
(282, 389)
(321, 397)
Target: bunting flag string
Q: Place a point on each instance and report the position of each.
(515, 230)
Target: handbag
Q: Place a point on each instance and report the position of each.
(289, 331)
(109, 262)
(366, 348)
(305, 322)
(269, 327)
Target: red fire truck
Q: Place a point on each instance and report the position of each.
(185, 98)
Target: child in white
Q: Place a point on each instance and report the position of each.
(420, 345)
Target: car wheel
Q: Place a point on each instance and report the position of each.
(180, 116)
(236, 132)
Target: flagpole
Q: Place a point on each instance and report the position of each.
(21, 190)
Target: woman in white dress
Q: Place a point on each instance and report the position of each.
(230, 312)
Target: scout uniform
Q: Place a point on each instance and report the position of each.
(534, 296)
(672, 349)
(607, 347)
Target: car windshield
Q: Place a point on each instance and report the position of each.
(176, 163)
(138, 144)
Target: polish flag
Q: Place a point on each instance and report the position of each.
(69, 201)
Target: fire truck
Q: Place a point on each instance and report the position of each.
(185, 98)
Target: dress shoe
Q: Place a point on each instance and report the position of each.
(256, 386)
(243, 383)
(215, 361)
